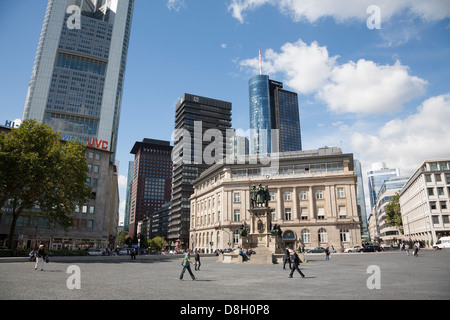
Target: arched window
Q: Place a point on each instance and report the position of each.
(323, 238)
(306, 236)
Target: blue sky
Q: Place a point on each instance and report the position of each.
(381, 94)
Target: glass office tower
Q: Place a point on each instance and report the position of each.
(260, 115)
(376, 177)
(78, 75)
(273, 108)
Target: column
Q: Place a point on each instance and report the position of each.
(295, 205)
(311, 203)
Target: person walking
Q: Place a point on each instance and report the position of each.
(416, 249)
(186, 266)
(296, 261)
(407, 249)
(327, 253)
(40, 258)
(197, 260)
(287, 258)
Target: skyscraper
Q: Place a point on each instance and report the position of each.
(152, 179)
(126, 219)
(78, 75)
(195, 117)
(272, 107)
(377, 176)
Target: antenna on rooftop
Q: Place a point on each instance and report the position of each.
(260, 63)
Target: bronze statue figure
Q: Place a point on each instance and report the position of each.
(259, 197)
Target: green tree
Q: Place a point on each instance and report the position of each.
(122, 237)
(37, 168)
(157, 243)
(393, 213)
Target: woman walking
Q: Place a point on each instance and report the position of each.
(40, 257)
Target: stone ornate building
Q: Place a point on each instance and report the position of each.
(313, 199)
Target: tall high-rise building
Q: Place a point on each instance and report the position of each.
(196, 118)
(376, 177)
(152, 179)
(126, 219)
(78, 75)
(360, 197)
(272, 107)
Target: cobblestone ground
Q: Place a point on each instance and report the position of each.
(349, 276)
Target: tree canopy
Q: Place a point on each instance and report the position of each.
(393, 213)
(37, 168)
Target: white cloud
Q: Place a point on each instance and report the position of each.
(175, 4)
(305, 67)
(122, 180)
(344, 10)
(223, 45)
(365, 87)
(406, 143)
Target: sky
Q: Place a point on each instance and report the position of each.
(372, 76)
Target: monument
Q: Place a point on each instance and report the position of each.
(263, 238)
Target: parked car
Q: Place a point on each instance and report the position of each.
(124, 251)
(353, 249)
(316, 250)
(372, 248)
(94, 252)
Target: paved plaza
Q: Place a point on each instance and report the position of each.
(346, 276)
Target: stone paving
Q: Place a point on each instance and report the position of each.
(346, 276)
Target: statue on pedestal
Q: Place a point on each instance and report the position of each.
(276, 231)
(259, 197)
(244, 230)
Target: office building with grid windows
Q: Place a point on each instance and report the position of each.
(152, 180)
(78, 75)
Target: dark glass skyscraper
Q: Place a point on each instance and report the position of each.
(194, 116)
(272, 107)
(152, 179)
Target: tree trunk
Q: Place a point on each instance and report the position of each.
(12, 229)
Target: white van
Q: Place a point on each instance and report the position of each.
(442, 243)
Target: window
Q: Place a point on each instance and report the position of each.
(443, 205)
(342, 212)
(435, 219)
(303, 195)
(430, 191)
(345, 235)
(433, 166)
(274, 216)
(320, 214)
(440, 191)
(84, 209)
(237, 215)
(323, 238)
(96, 169)
(319, 194)
(287, 214)
(306, 236)
(236, 237)
(92, 209)
(437, 177)
(89, 167)
(287, 196)
(237, 197)
(340, 193)
(272, 196)
(304, 213)
(433, 205)
(90, 224)
(445, 219)
(428, 177)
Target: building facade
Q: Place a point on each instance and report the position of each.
(195, 116)
(425, 202)
(95, 223)
(273, 108)
(78, 75)
(362, 211)
(126, 219)
(376, 177)
(152, 180)
(313, 199)
(387, 234)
